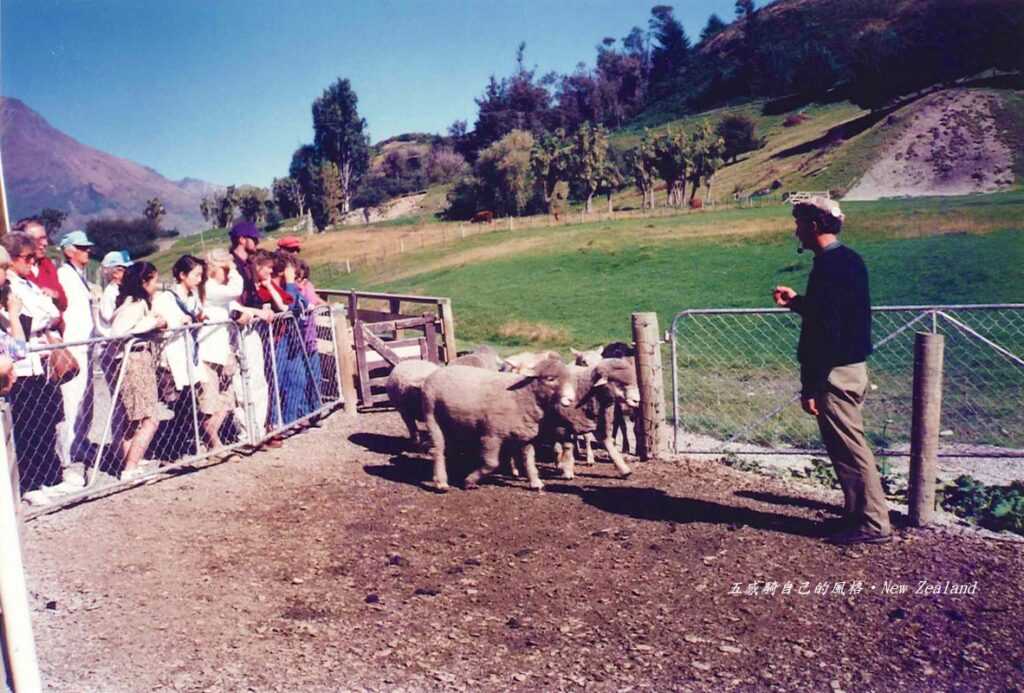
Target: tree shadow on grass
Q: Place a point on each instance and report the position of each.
(656, 505)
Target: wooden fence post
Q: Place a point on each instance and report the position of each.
(346, 357)
(448, 326)
(924, 428)
(651, 382)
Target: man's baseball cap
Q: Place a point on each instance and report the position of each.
(822, 204)
(76, 238)
(244, 229)
(116, 258)
(289, 243)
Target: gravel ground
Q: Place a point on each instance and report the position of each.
(329, 565)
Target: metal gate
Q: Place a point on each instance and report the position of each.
(735, 381)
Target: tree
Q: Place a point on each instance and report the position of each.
(739, 134)
(208, 208)
(640, 167)
(504, 173)
(672, 162)
(611, 179)
(252, 203)
(224, 207)
(714, 27)
(339, 137)
(327, 202)
(750, 45)
(444, 164)
(671, 53)
(588, 160)
(549, 163)
(706, 149)
(154, 210)
(288, 196)
(137, 236)
(52, 219)
(519, 102)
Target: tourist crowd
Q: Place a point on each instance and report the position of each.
(225, 352)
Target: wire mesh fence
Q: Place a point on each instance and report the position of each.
(141, 406)
(735, 381)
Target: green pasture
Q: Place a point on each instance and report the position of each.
(577, 286)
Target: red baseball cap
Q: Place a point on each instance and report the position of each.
(289, 243)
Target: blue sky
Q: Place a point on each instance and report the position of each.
(221, 89)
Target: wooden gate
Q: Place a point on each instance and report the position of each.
(390, 328)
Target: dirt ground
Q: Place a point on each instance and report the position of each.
(328, 565)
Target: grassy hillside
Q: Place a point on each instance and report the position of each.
(577, 285)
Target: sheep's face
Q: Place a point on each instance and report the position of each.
(618, 376)
(554, 381)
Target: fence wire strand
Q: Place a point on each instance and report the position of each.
(735, 381)
(205, 389)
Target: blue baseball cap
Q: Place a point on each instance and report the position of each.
(117, 258)
(76, 238)
(244, 229)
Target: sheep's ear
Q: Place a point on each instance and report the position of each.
(601, 381)
(575, 353)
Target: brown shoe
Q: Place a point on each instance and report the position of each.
(274, 442)
(859, 536)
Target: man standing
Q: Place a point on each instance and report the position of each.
(835, 340)
(45, 273)
(245, 238)
(79, 326)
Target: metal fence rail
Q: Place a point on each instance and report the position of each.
(209, 389)
(735, 381)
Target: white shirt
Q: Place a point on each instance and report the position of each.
(79, 319)
(41, 309)
(108, 304)
(177, 351)
(221, 299)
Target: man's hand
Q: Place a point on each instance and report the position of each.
(50, 292)
(783, 295)
(809, 405)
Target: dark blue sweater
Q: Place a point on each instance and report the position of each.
(836, 312)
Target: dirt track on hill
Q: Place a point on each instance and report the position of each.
(948, 145)
(328, 565)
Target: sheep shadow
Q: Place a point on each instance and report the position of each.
(656, 505)
(791, 501)
(381, 444)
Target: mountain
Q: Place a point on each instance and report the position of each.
(43, 167)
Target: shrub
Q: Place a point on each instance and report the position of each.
(137, 236)
(999, 508)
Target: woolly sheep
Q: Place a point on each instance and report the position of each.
(483, 356)
(590, 357)
(598, 390)
(523, 362)
(462, 403)
(404, 387)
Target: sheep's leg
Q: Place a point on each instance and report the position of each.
(589, 447)
(567, 459)
(437, 451)
(620, 425)
(604, 432)
(414, 432)
(513, 467)
(491, 452)
(530, 462)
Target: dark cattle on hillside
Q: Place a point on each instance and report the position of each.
(484, 217)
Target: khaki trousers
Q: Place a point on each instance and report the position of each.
(842, 429)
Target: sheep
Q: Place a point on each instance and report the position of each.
(599, 389)
(483, 356)
(621, 350)
(404, 387)
(523, 362)
(494, 408)
(586, 358)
